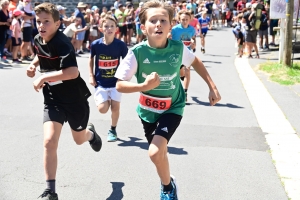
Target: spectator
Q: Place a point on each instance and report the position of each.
(27, 34)
(116, 4)
(16, 35)
(121, 16)
(192, 6)
(80, 36)
(4, 26)
(87, 18)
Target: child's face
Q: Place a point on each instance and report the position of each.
(184, 20)
(109, 28)
(157, 24)
(46, 25)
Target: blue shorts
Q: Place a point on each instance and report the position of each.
(80, 36)
(204, 32)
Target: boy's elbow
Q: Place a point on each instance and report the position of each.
(118, 86)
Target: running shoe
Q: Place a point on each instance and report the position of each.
(272, 44)
(112, 136)
(80, 52)
(170, 195)
(96, 142)
(77, 55)
(18, 61)
(48, 195)
(3, 60)
(27, 58)
(7, 53)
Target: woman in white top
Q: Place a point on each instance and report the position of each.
(216, 12)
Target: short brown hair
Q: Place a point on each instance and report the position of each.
(184, 12)
(48, 8)
(108, 17)
(155, 4)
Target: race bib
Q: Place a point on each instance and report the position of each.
(155, 104)
(108, 64)
(187, 43)
(51, 83)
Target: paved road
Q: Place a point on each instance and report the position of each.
(218, 153)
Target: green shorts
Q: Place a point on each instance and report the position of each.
(139, 32)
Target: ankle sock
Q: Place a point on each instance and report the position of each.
(168, 187)
(113, 128)
(93, 136)
(51, 185)
(185, 90)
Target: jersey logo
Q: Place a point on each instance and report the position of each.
(165, 129)
(146, 61)
(79, 128)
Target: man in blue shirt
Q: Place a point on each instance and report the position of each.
(80, 36)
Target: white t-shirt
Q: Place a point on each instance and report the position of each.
(69, 31)
(128, 66)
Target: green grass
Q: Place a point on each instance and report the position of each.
(282, 74)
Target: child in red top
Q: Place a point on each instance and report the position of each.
(16, 34)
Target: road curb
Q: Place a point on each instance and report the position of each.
(281, 137)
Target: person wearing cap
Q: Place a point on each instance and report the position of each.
(121, 16)
(116, 4)
(80, 36)
(62, 17)
(16, 34)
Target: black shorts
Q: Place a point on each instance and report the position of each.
(86, 36)
(27, 34)
(77, 115)
(13, 41)
(129, 26)
(123, 30)
(165, 126)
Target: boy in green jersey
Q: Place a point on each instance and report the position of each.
(156, 64)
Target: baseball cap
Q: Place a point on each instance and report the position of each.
(94, 8)
(248, 5)
(59, 7)
(141, 4)
(17, 12)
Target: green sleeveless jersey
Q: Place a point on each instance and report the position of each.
(169, 96)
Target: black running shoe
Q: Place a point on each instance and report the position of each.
(48, 195)
(96, 142)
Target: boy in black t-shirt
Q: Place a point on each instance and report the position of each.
(65, 92)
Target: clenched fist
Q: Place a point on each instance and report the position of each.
(31, 71)
(152, 81)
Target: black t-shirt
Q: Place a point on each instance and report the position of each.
(246, 17)
(3, 18)
(235, 5)
(56, 55)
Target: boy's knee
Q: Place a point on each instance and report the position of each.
(156, 155)
(79, 141)
(50, 144)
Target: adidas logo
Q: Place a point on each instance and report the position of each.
(165, 129)
(146, 61)
(79, 127)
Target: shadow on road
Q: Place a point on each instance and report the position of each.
(117, 193)
(217, 55)
(144, 145)
(206, 61)
(198, 102)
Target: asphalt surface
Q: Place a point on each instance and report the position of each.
(217, 153)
